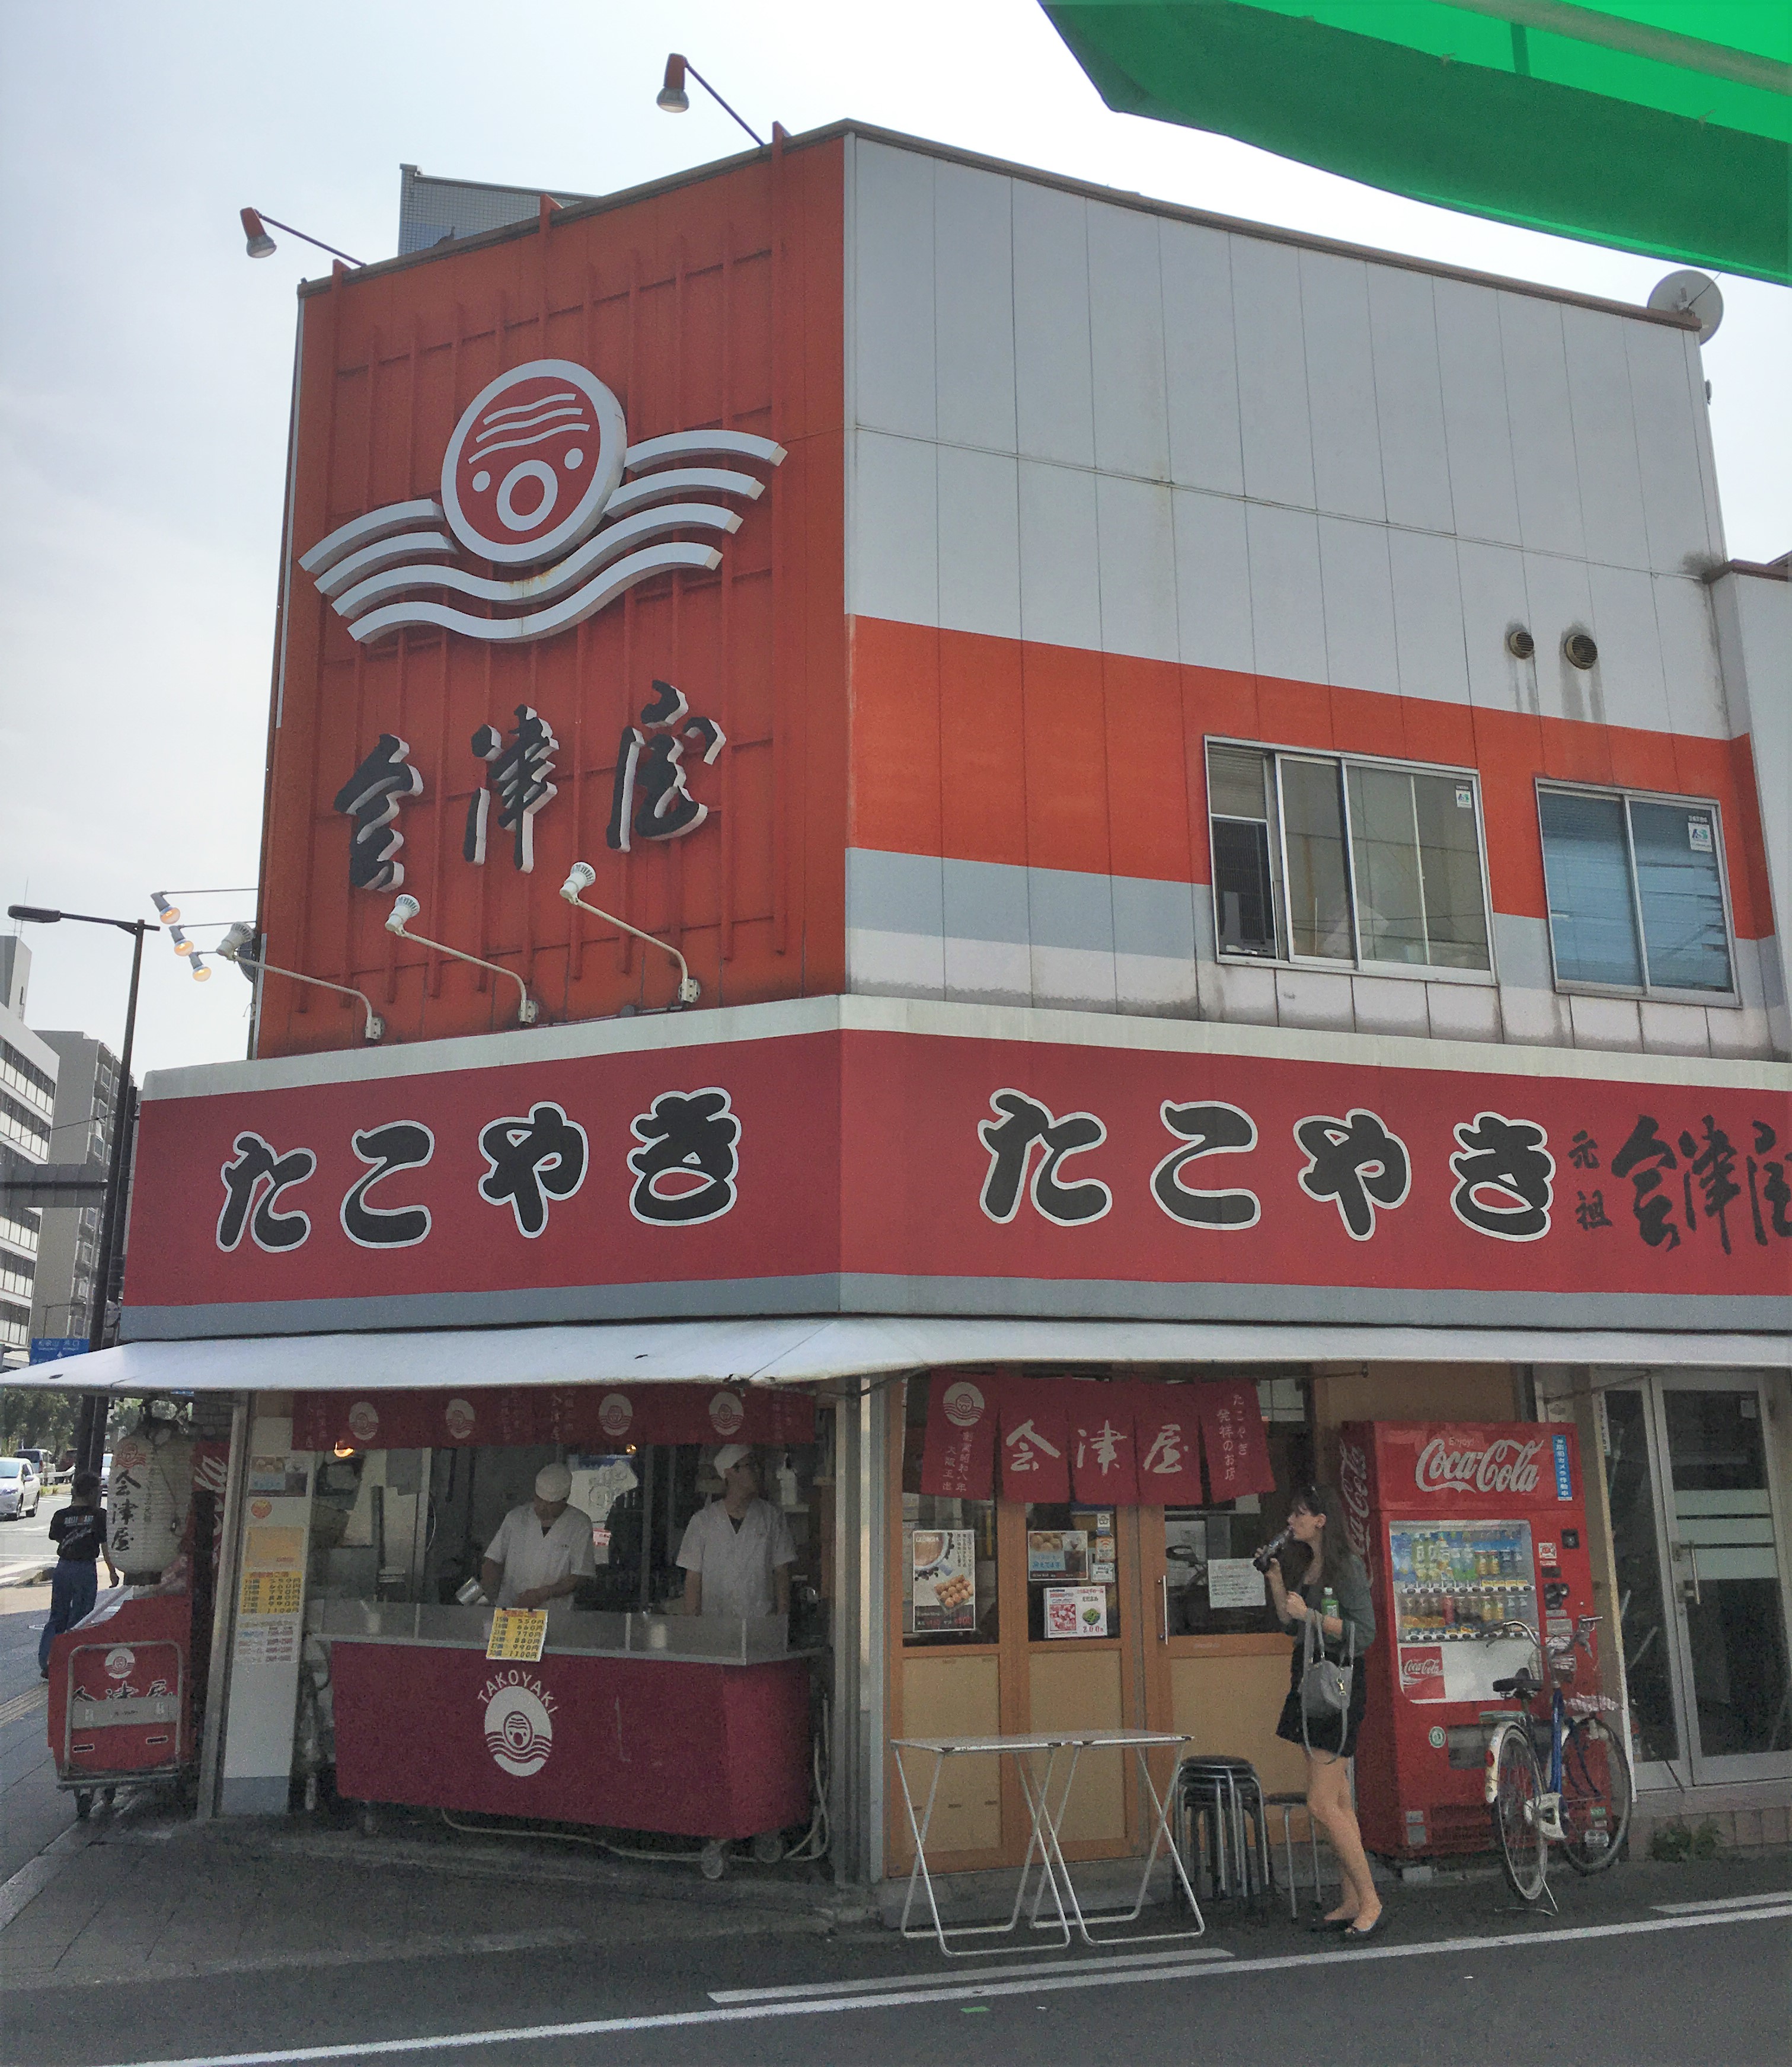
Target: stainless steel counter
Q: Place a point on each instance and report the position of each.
(574, 1632)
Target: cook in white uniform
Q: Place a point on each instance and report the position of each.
(737, 1554)
(542, 1549)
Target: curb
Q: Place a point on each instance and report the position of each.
(26, 1575)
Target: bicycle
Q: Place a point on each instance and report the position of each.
(1585, 1807)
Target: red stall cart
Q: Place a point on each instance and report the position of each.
(121, 1700)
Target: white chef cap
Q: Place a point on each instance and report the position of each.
(553, 1482)
(731, 1454)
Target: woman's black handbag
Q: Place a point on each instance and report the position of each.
(1325, 1684)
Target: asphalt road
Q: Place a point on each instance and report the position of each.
(25, 1544)
(1645, 1984)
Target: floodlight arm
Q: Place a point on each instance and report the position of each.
(673, 100)
(405, 908)
(376, 1026)
(581, 876)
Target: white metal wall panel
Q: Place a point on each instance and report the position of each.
(1560, 600)
(1428, 616)
(1200, 358)
(1483, 491)
(1213, 578)
(1358, 593)
(895, 561)
(1690, 659)
(1542, 425)
(1274, 425)
(1126, 343)
(1493, 601)
(979, 542)
(893, 287)
(1288, 614)
(1341, 386)
(1409, 399)
(1605, 437)
(1060, 556)
(1054, 390)
(1680, 539)
(973, 305)
(1138, 568)
(1635, 692)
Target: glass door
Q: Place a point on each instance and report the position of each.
(1699, 1552)
(1725, 1568)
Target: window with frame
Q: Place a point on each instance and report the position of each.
(1635, 892)
(1370, 864)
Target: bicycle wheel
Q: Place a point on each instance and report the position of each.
(1596, 1794)
(1524, 1850)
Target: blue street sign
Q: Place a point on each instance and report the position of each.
(45, 1349)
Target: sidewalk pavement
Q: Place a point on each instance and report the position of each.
(145, 1895)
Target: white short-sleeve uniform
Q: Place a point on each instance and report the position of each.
(533, 1556)
(737, 1564)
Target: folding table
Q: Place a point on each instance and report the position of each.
(1043, 1836)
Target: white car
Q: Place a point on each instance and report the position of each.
(20, 1488)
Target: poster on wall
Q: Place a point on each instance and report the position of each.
(943, 1578)
(1234, 1582)
(1076, 1611)
(1057, 1553)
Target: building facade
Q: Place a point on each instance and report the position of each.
(28, 1069)
(939, 777)
(81, 1132)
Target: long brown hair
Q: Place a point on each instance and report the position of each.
(1322, 1566)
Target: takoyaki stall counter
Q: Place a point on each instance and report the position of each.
(696, 1725)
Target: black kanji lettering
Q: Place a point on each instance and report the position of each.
(1011, 1141)
(686, 1166)
(402, 1144)
(1642, 1158)
(1356, 1162)
(371, 797)
(1213, 1130)
(517, 775)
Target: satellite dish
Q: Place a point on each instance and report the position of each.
(1696, 292)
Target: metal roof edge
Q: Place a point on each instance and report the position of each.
(1063, 182)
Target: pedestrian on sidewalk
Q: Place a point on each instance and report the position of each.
(1333, 1593)
(79, 1533)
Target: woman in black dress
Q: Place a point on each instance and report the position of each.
(1316, 1523)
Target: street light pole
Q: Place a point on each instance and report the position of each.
(89, 1436)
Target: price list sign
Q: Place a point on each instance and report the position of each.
(517, 1635)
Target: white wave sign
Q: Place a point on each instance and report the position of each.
(539, 476)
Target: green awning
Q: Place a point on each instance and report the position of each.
(1660, 126)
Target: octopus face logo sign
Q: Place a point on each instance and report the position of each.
(539, 474)
(459, 1418)
(726, 1414)
(118, 1661)
(964, 1404)
(519, 1724)
(614, 1412)
(363, 1421)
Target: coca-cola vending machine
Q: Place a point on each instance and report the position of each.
(1464, 1528)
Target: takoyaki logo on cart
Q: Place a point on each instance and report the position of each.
(534, 480)
(118, 1661)
(519, 1722)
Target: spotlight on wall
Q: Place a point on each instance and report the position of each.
(234, 947)
(581, 876)
(257, 242)
(406, 907)
(672, 97)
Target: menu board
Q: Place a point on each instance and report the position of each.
(1076, 1611)
(1057, 1553)
(943, 1579)
(517, 1635)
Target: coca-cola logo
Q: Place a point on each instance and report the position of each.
(1353, 1483)
(1506, 1465)
(964, 1404)
(1422, 1665)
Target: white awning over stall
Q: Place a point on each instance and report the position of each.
(812, 1350)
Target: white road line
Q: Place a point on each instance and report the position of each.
(36, 1874)
(24, 1704)
(1114, 1963)
(1046, 1983)
(1725, 1902)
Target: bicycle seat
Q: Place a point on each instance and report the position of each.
(1521, 1687)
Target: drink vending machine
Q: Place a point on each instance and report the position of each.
(1464, 1528)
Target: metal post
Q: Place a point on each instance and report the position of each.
(90, 1440)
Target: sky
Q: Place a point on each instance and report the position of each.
(145, 363)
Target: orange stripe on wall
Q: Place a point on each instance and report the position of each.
(983, 748)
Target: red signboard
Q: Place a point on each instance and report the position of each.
(1233, 1435)
(1104, 1468)
(1166, 1418)
(959, 1460)
(602, 1418)
(1037, 1433)
(867, 1168)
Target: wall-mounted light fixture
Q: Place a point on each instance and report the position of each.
(259, 245)
(406, 908)
(581, 876)
(241, 936)
(673, 99)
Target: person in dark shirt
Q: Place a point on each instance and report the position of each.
(79, 1533)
